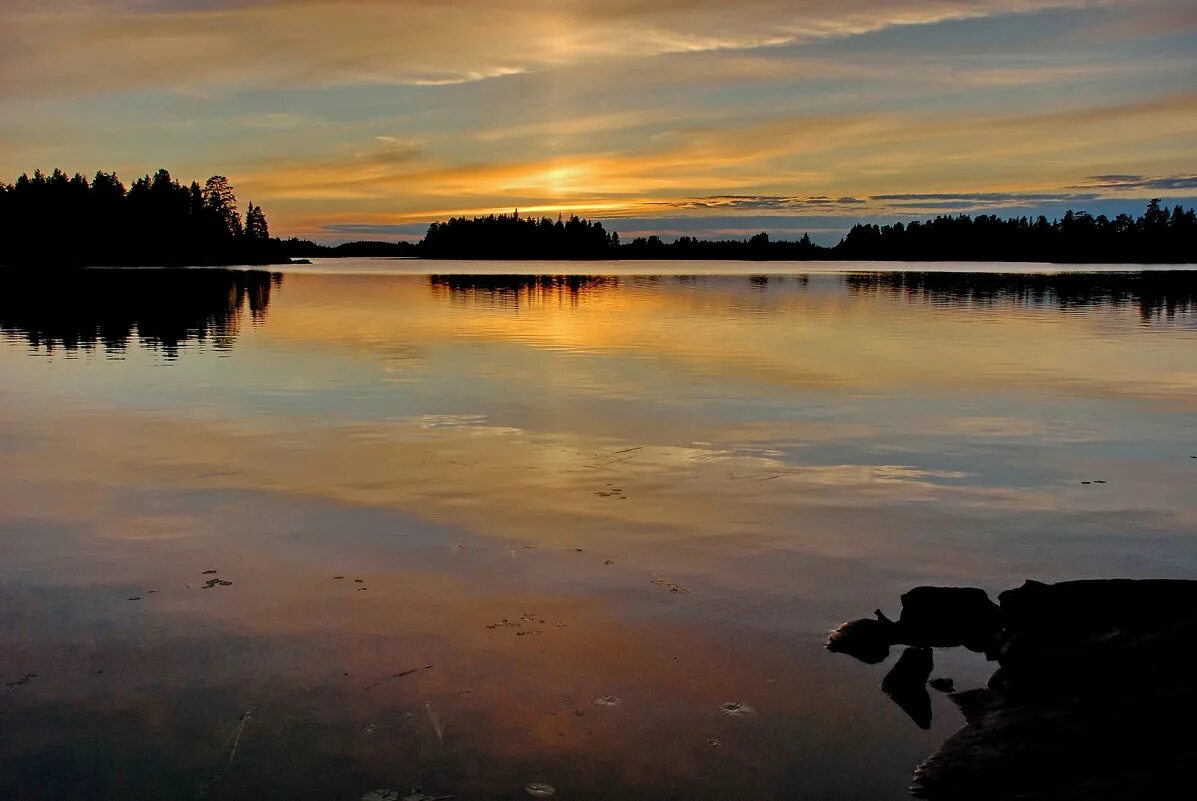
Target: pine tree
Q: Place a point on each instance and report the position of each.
(220, 199)
(255, 223)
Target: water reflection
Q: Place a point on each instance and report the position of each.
(1153, 293)
(553, 491)
(1156, 294)
(161, 309)
(516, 290)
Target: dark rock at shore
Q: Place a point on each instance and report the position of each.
(931, 617)
(1093, 698)
(949, 616)
(866, 639)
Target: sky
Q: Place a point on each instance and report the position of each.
(367, 120)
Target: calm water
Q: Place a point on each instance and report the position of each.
(542, 493)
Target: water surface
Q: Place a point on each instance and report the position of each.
(483, 529)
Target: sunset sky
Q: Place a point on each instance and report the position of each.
(351, 120)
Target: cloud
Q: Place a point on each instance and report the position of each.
(1110, 186)
(1124, 182)
(114, 46)
(977, 200)
(763, 202)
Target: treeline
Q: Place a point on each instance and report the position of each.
(511, 236)
(68, 221)
(1158, 236)
(58, 219)
(305, 248)
(757, 248)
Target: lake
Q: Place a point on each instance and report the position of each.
(354, 527)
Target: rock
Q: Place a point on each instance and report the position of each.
(1093, 698)
(949, 616)
(867, 640)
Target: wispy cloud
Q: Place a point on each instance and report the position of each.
(1135, 182)
(764, 203)
(272, 43)
(976, 200)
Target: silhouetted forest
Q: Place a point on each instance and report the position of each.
(510, 236)
(1158, 236)
(1156, 293)
(305, 248)
(757, 248)
(58, 220)
(160, 309)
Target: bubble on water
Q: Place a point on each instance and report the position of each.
(393, 795)
(381, 795)
(736, 709)
(539, 790)
(608, 700)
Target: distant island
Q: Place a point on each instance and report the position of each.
(1159, 236)
(72, 221)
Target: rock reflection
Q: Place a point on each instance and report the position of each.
(161, 309)
(906, 684)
